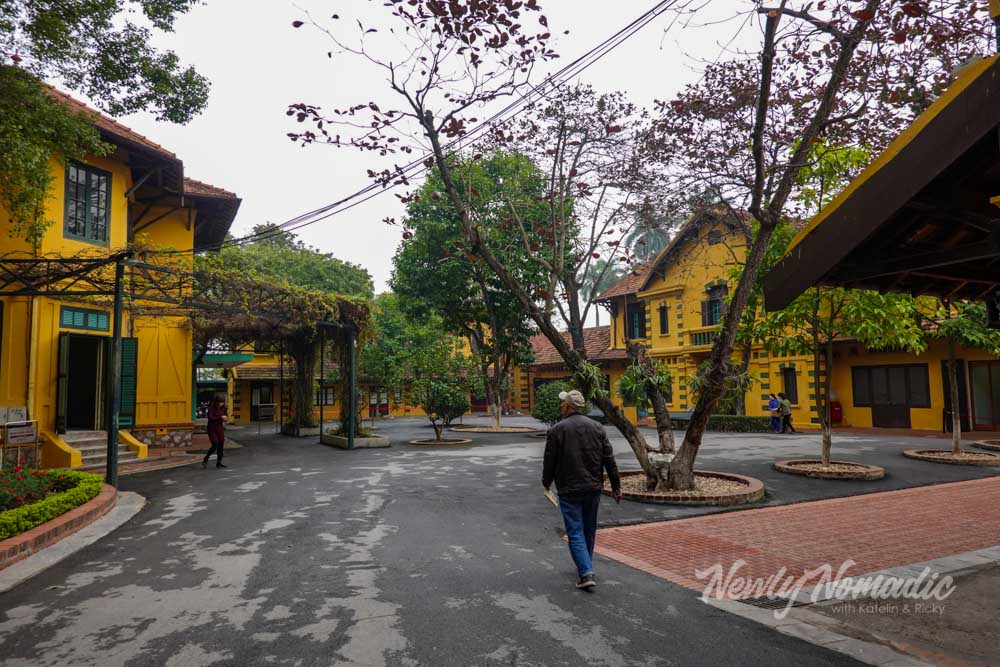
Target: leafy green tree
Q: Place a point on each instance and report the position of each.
(94, 47)
(98, 48)
(286, 259)
(415, 355)
(34, 129)
(812, 323)
(443, 401)
(434, 273)
(381, 361)
(958, 324)
(548, 407)
(291, 263)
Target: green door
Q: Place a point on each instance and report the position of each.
(129, 365)
(62, 380)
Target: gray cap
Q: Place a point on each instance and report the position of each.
(573, 398)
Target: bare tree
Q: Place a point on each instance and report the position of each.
(836, 70)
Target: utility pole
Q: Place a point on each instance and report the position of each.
(113, 375)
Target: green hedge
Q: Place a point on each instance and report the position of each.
(732, 424)
(20, 519)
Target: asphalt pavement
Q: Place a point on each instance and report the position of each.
(302, 554)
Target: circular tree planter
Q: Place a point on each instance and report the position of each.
(947, 456)
(989, 445)
(713, 488)
(836, 469)
(490, 429)
(442, 441)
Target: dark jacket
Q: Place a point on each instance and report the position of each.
(576, 450)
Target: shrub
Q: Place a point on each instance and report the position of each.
(444, 401)
(67, 490)
(548, 407)
(732, 424)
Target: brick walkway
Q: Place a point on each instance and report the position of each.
(878, 531)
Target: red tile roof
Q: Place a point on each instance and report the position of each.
(630, 284)
(110, 125)
(596, 341)
(202, 189)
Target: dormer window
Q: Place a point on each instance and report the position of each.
(88, 203)
(714, 237)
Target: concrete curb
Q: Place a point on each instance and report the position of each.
(128, 506)
(33, 540)
(820, 630)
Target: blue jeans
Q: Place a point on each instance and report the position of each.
(580, 516)
(776, 424)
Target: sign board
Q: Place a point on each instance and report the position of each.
(21, 433)
(18, 414)
(3, 415)
(265, 412)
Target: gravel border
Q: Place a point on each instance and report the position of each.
(754, 492)
(864, 471)
(920, 455)
(988, 445)
(440, 443)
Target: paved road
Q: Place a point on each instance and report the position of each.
(300, 554)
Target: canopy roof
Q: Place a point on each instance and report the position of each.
(217, 360)
(923, 217)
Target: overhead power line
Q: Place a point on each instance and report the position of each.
(417, 168)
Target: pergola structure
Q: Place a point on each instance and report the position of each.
(222, 306)
(923, 218)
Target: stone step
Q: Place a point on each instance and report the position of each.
(101, 458)
(102, 447)
(95, 463)
(74, 437)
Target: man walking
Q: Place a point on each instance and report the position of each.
(786, 414)
(577, 453)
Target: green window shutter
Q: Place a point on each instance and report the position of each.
(83, 318)
(129, 366)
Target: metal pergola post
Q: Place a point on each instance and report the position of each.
(352, 341)
(113, 390)
(322, 377)
(281, 387)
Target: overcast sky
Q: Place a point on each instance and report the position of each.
(258, 64)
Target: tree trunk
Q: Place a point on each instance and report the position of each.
(572, 356)
(496, 410)
(826, 422)
(741, 396)
(438, 429)
(304, 349)
(956, 412)
(714, 384)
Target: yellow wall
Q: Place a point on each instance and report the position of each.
(686, 273)
(682, 289)
(848, 356)
(164, 344)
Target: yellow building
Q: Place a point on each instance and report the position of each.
(260, 389)
(674, 305)
(53, 350)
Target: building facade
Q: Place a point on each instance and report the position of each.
(53, 349)
(674, 304)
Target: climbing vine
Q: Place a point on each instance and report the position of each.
(36, 130)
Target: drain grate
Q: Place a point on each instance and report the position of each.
(772, 602)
